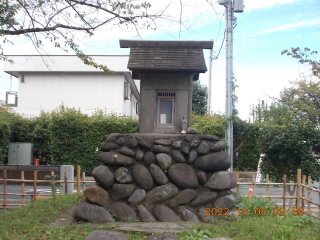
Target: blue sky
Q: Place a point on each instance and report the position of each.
(263, 30)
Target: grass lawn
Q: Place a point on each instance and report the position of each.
(33, 222)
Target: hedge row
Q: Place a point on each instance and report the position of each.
(64, 136)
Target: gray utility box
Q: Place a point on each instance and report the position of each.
(20, 153)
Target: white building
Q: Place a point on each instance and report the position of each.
(45, 82)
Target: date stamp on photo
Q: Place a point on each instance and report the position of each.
(257, 212)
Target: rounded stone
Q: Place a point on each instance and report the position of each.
(123, 212)
(177, 156)
(225, 192)
(113, 158)
(122, 175)
(217, 146)
(216, 161)
(164, 142)
(183, 176)
(176, 145)
(203, 198)
(133, 142)
(164, 236)
(191, 130)
(149, 158)
(127, 151)
(106, 235)
(145, 215)
(187, 215)
(185, 150)
(112, 137)
(103, 176)
(188, 138)
(203, 148)
(206, 218)
(139, 155)
(195, 143)
(91, 213)
(164, 160)
(161, 149)
(122, 191)
(162, 193)
(221, 181)
(121, 141)
(202, 177)
(158, 175)
(145, 144)
(137, 196)
(165, 214)
(182, 198)
(109, 146)
(192, 156)
(142, 177)
(97, 195)
(228, 201)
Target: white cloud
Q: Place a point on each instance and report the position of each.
(290, 26)
(252, 40)
(258, 4)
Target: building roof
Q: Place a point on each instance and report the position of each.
(63, 63)
(167, 55)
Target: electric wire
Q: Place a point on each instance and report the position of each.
(224, 37)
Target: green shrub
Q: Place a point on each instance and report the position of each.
(210, 124)
(76, 138)
(5, 132)
(42, 138)
(65, 136)
(8, 125)
(255, 204)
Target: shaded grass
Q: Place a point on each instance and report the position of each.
(33, 222)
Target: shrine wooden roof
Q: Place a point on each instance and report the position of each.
(166, 55)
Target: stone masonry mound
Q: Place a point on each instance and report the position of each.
(159, 177)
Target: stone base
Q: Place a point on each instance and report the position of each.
(153, 177)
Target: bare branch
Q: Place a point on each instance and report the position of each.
(78, 13)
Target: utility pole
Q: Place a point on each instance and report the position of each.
(229, 68)
(231, 7)
(209, 84)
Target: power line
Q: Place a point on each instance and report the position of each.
(224, 37)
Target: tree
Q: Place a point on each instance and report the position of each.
(277, 113)
(57, 21)
(303, 97)
(245, 141)
(288, 148)
(305, 56)
(199, 98)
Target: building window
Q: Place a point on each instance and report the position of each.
(166, 107)
(12, 99)
(126, 91)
